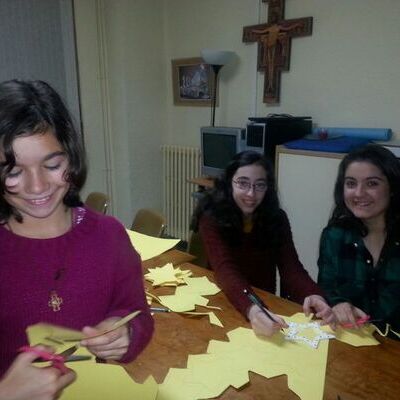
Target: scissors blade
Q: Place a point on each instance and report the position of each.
(71, 350)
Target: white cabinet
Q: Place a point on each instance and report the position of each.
(305, 182)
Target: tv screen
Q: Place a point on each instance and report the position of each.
(218, 146)
(218, 149)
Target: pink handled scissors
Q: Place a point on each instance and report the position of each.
(57, 360)
(360, 321)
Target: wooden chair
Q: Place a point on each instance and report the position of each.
(196, 248)
(149, 222)
(97, 201)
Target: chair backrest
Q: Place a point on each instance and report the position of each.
(196, 248)
(149, 222)
(97, 201)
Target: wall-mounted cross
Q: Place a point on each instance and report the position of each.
(274, 39)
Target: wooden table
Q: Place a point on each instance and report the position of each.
(368, 373)
(203, 182)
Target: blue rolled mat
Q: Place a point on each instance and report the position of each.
(362, 133)
(335, 145)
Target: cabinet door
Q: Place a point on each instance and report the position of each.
(305, 187)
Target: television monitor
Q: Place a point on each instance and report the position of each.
(218, 146)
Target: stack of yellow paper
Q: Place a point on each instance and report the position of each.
(167, 275)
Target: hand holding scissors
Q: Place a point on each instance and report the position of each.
(24, 381)
(57, 360)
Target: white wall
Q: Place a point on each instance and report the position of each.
(120, 49)
(345, 74)
(195, 25)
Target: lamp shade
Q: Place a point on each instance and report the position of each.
(217, 57)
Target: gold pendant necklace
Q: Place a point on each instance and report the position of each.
(55, 300)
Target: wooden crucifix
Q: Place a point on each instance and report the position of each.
(274, 39)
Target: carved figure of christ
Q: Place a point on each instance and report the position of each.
(274, 39)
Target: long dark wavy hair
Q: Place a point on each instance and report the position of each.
(220, 205)
(389, 165)
(31, 108)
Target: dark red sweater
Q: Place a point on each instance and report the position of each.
(245, 265)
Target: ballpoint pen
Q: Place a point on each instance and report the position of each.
(159, 309)
(258, 302)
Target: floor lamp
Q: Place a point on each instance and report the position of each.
(217, 59)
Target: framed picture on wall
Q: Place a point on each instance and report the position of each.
(192, 81)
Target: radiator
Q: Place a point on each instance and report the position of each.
(179, 165)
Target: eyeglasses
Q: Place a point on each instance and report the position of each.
(246, 185)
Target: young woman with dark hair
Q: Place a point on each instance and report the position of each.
(360, 248)
(247, 237)
(61, 263)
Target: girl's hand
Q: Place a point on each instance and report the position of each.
(317, 304)
(109, 346)
(261, 324)
(346, 313)
(24, 381)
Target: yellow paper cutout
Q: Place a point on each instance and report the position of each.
(149, 246)
(186, 297)
(167, 275)
(228, 363)
(191, 294)
(211, 316)
(215, 320)
(42, 334)
(213, 307)
(106, 381)
(52, 335)
(202, 285)
(355, 337)
(47, 334)
(185, 301)
(309, 333)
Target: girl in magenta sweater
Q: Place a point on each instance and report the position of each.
(247, 237)
(60, 263)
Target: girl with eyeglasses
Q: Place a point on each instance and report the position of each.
(247, 237)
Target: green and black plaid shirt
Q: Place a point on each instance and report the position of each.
(347, 274)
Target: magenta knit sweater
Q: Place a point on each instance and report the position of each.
(99, 273)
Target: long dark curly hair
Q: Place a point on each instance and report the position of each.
(30, 108)
(220, 205)
(389, 165)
